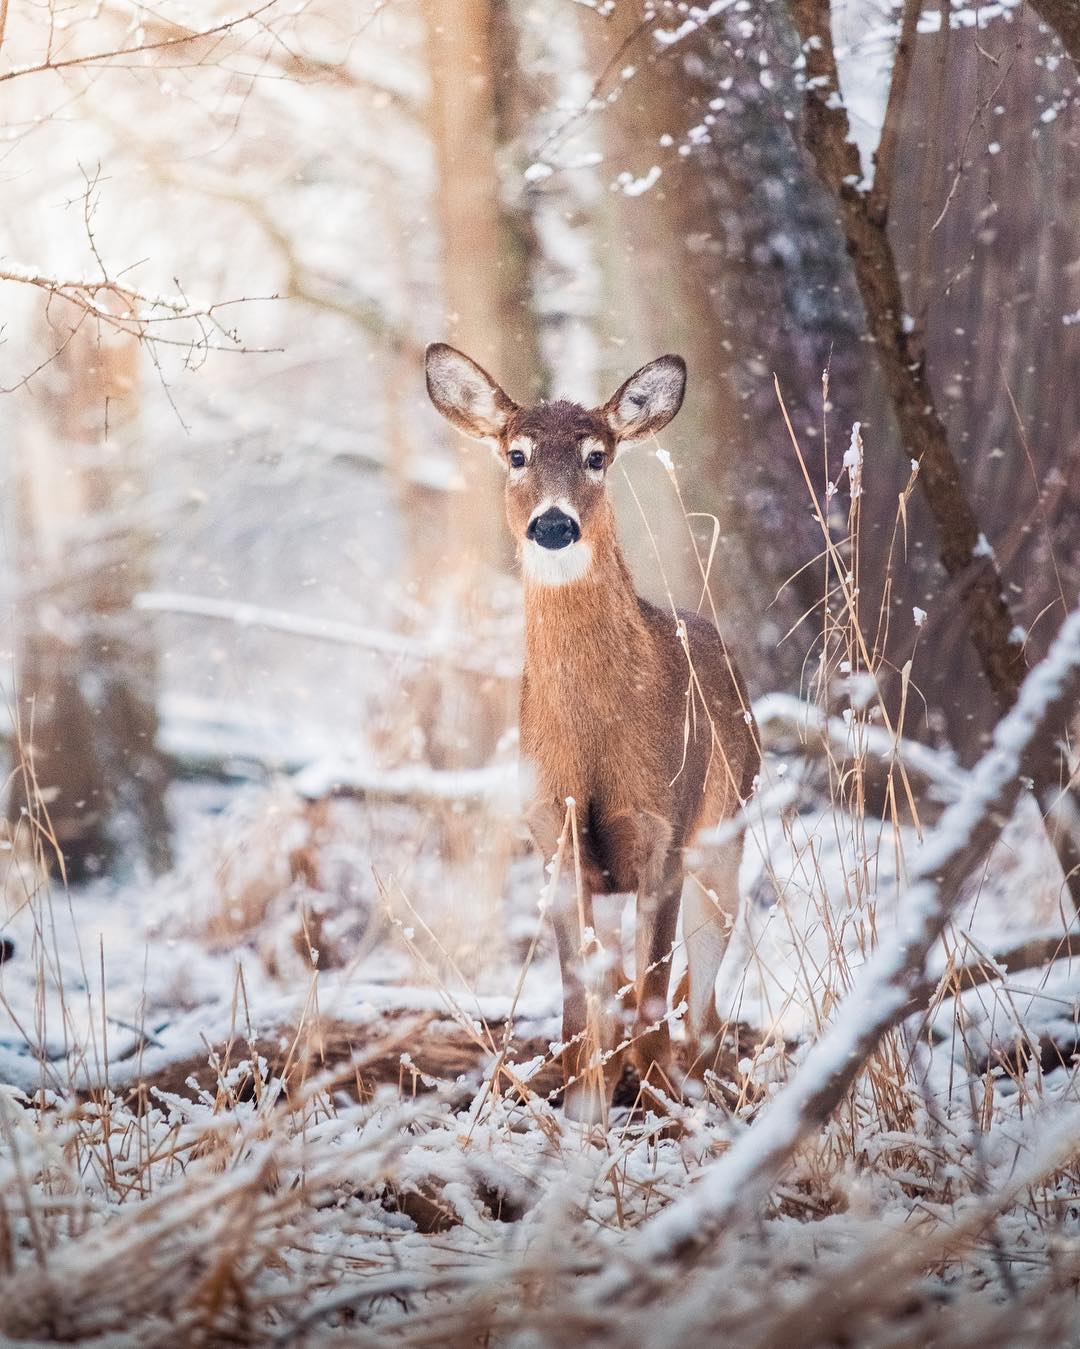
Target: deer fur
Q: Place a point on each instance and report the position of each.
(632, 712)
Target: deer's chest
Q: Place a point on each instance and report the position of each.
(591, 733)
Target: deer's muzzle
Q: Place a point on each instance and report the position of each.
(553, 529)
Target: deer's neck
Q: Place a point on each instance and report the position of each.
(587, 632)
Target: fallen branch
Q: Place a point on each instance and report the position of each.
(488, 786)
(778, 714)
(967, 831)
(1027, 955)
(321, 629)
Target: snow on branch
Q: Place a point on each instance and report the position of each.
(1031, 954)
(780, 713)
(320, 629)
(139, 314)
(965, 834)
(492, 786)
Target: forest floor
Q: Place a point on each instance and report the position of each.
(305, 1090)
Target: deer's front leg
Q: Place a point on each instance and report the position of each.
(588, 980)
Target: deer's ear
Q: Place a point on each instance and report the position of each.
(465, 394)
(648, 400)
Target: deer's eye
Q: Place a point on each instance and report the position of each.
(517, 458)
(595, 460)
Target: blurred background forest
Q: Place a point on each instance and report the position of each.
(236, 539)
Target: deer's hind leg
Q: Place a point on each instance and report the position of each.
(659, 889)
(710, 907)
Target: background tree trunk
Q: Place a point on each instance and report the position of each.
(464, 716)
(85, 665)
(665, 263)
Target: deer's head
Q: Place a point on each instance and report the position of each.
(556, 455)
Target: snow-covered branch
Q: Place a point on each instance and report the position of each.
(127, 310)
(781, 714)
(966, 832)
(320, 629)
(492, 786)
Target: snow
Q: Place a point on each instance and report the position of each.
(630, 186)
(172, 993)
(853, 461)
(342, 911)
(967, 14)
(697, 17)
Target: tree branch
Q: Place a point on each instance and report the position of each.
(136, 313)
(882, 995)
(181, 38)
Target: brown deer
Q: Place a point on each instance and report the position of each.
(632, 713)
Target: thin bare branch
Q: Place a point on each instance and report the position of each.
(182, 38)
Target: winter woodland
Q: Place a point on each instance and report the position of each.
(279, 1001)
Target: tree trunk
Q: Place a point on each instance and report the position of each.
(666, 276)
(1063, 16)
(85, 666)
(462, 717)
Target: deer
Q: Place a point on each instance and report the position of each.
(631, 716)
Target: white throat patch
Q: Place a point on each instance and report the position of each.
(555, 566)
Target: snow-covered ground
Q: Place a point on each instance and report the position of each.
(270, 1096)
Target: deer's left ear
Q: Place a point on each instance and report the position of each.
(648, 400)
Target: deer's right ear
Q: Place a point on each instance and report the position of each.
(465, 394)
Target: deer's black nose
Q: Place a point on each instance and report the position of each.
(553, 529)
